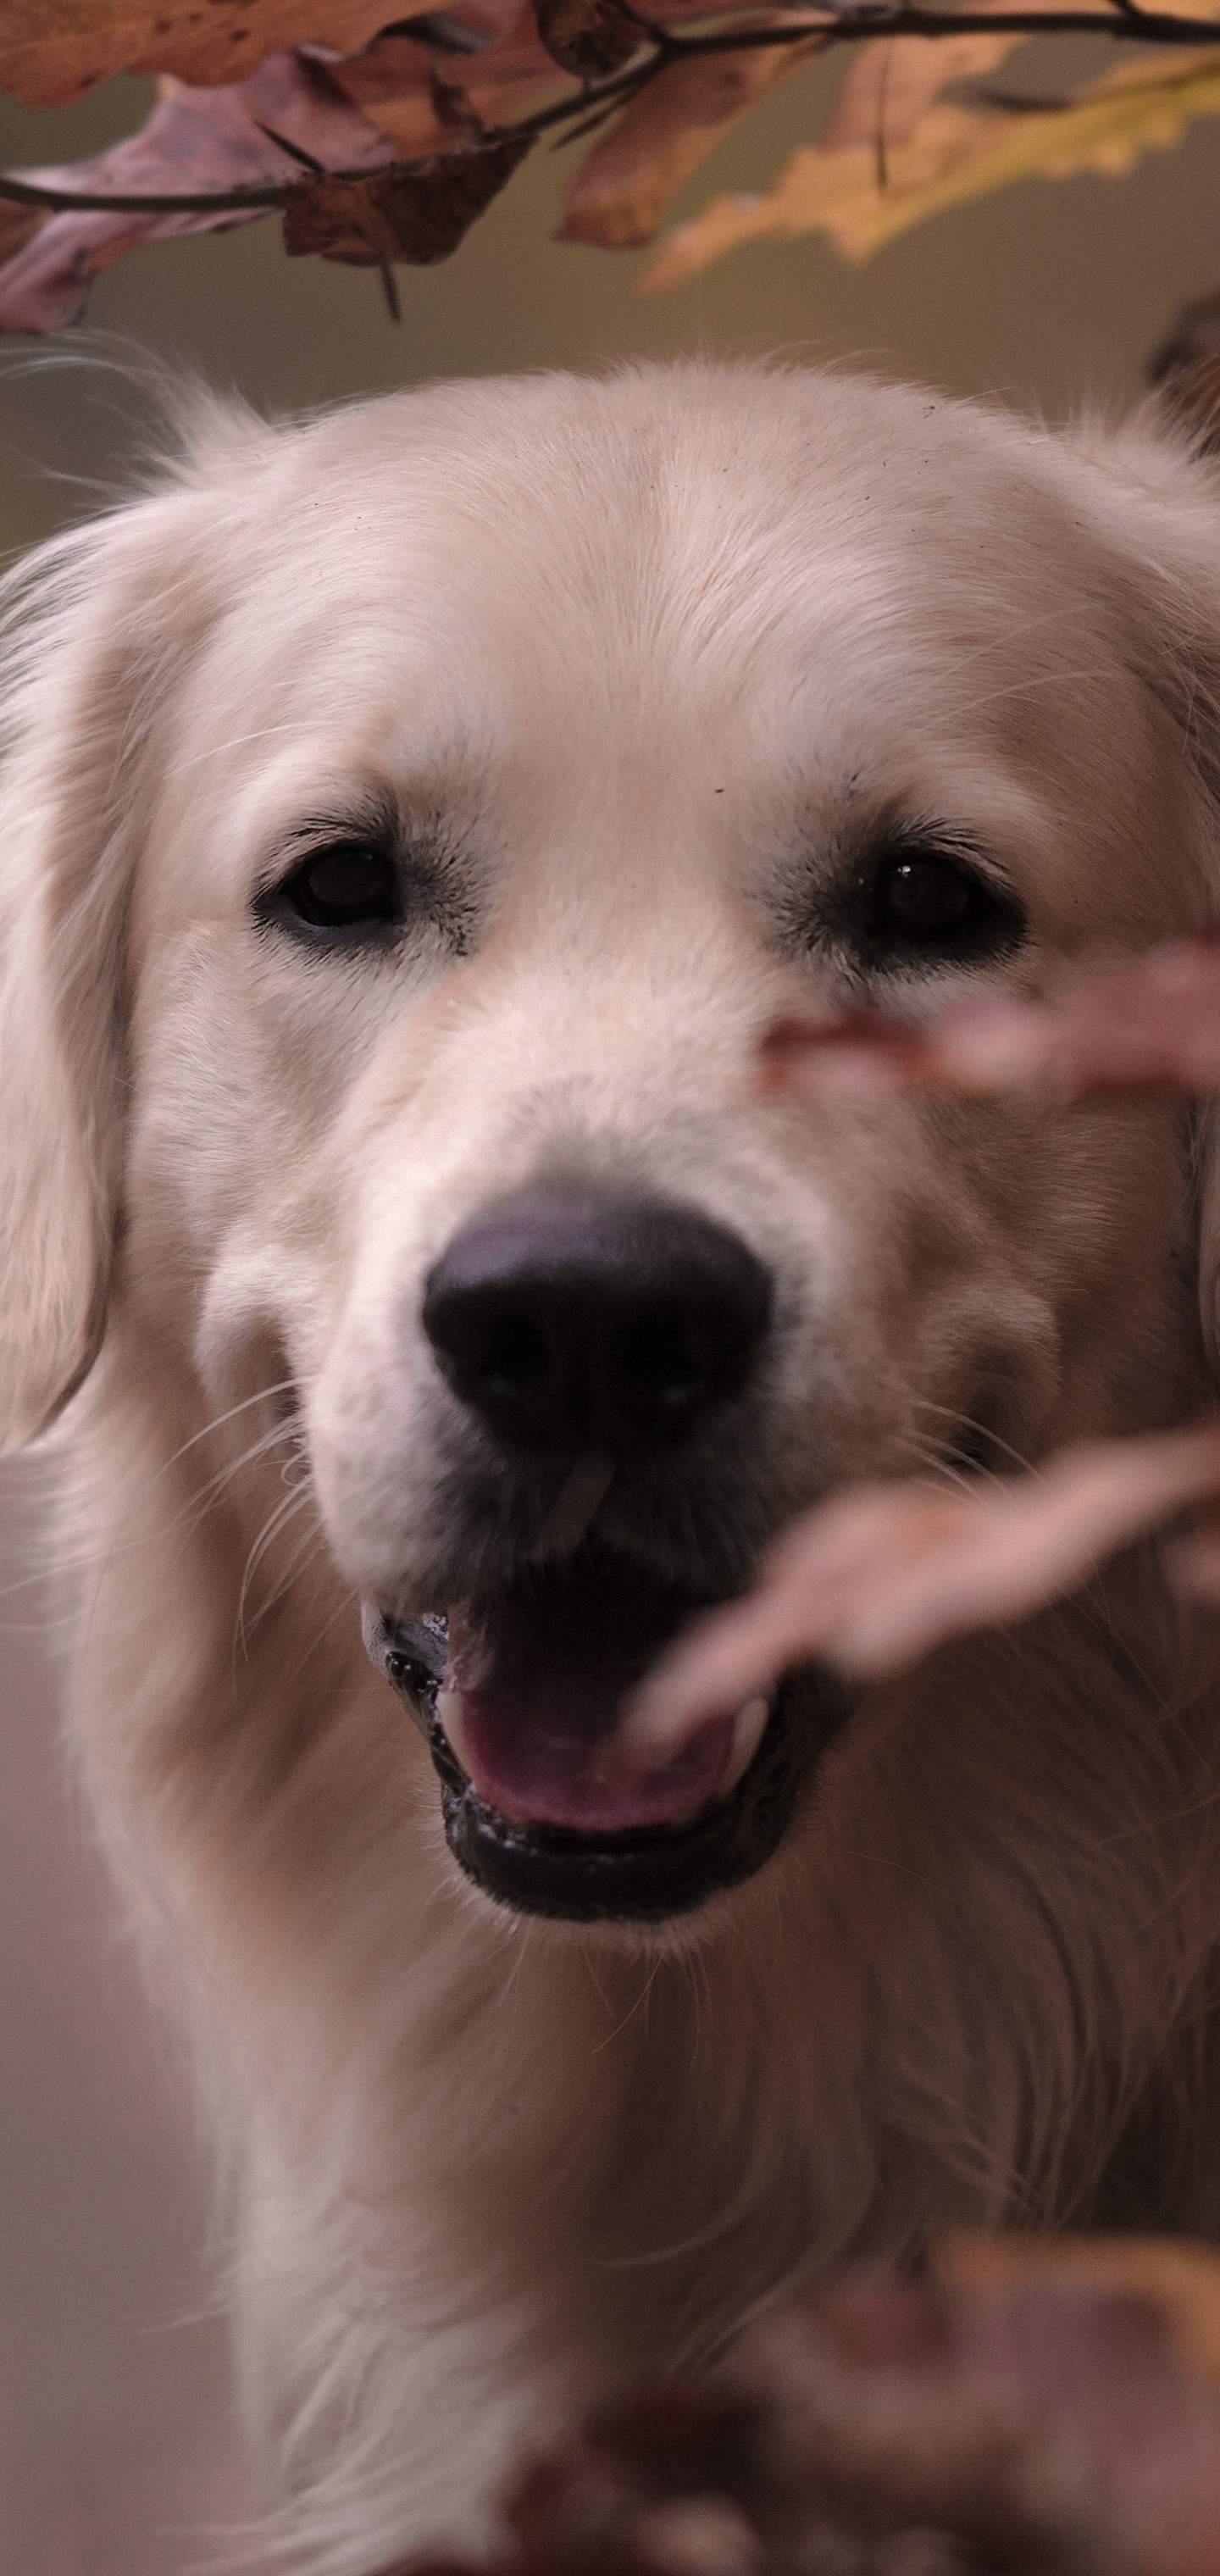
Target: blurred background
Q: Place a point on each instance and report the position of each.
(118, 2454)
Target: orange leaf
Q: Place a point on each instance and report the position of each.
(52, 51)
(621, 191)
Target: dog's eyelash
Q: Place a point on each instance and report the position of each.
(922, 897)
(359, 886)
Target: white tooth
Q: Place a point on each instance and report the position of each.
(449, 1711)
(749, 1727)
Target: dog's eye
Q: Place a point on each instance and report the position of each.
(343, 888)
(934, 903)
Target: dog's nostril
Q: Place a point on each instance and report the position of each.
(658, 1356)
(517, 1360)
(572, 1321)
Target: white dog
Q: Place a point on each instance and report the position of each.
(411, 822)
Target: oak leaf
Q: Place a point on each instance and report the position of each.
(953, 155)
(621, 191)
(418, 215)
(894, 80)
(195, 139)
(492, 53)
(52, 51)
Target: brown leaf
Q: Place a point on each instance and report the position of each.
(1149, 1026)
(194, 139)
(621, 191)
(880, 1575)
(505, 68)
(588, 37)
(419, 215)
(52, 51)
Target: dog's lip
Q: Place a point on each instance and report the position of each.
(531, 1688)
(642, 1873)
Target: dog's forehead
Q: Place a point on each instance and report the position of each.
(499, 555)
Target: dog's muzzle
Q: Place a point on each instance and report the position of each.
(596, 1335)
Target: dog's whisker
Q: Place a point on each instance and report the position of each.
(276, 1520)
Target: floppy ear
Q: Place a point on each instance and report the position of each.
(100, 631)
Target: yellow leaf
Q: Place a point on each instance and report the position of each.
(952, 156)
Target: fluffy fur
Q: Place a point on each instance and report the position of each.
(642, 663)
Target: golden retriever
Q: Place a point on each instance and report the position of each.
(412, 820)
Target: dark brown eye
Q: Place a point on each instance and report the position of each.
(928, 895)
(933, 903)
(344, 887)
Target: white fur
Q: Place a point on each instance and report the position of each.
(641, 652)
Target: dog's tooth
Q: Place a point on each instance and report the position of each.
(749, 1727)
(449, 1711)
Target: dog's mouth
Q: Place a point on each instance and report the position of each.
(519, 1698)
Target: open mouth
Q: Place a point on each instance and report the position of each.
(519, 1699)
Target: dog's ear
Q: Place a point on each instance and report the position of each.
(100, 627)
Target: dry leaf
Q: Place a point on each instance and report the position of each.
(588, 37)
(1181, 2279)
(953, 155)
(1149, 1026)
(1030, 2409)
(878, 1576)
(203, 139)
(621, 191)
(505, 70)
(419, 215)
(52, 51)
(895, 79)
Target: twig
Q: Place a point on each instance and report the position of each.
(1123, 19)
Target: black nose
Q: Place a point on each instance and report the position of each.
(584, 1321)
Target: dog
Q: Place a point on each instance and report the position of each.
(414, 818)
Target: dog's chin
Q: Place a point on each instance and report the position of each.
(518, 1697)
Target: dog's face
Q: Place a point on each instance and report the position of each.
(533, 747)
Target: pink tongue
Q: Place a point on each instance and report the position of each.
(541, 1677)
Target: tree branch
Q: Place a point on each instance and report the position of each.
(1123, 19)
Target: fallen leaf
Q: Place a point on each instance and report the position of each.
(622, 189)
(418, 215)
(880, 1575)
(953, 155)
(588, 37)
(1150, 1025)
(194, 139)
